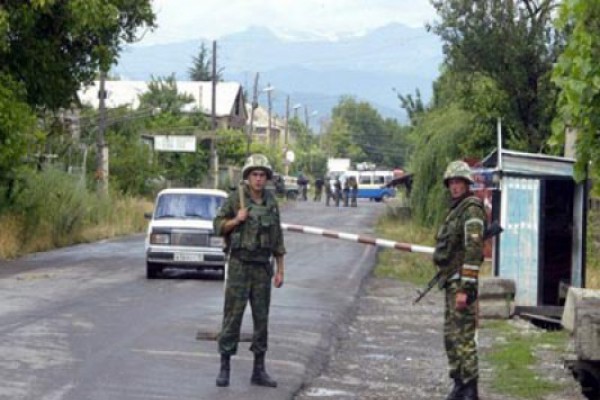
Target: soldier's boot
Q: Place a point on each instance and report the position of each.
(259, 373)
(457, 390)
(470, 391)
(223, 377)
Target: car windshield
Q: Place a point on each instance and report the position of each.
(187, 205)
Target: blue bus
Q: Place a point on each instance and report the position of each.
(371, 184)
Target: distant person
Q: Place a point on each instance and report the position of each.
(318, 189)
(346, 191)
(328, 191)
(254, 235)
(303, 186)
(353, 184)
(338, 191)
(458, 255)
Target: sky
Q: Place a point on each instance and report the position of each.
(180, 20)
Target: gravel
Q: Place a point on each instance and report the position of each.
(394, 350)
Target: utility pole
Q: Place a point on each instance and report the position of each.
(101, 148)
(253, 107)
(214, 162)
(306, 116)
(287, 126)
(270, 89)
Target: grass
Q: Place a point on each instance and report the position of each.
(411, 267)
(513, 359)
(119, 217)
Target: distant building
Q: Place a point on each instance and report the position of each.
(230, 110)
(260, 127)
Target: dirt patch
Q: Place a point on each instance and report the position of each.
(394, 350)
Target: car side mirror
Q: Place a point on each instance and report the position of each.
(148, 215)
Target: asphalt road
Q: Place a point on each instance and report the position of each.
(83, 323)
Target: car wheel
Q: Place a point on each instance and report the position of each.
(292, 195)
(152, 270)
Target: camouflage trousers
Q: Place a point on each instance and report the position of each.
(246, 282)
(459, 335)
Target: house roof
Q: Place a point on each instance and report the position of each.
(126, 93)
(529, 163)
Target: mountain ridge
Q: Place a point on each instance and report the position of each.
(368, 67)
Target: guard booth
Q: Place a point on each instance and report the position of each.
(543, 212)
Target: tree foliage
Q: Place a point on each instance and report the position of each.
(437, 141)
(53, 46)
(577, 73)
(201, 69)
(514, 45)
(17, 127)
(357, 131)
(163, 95)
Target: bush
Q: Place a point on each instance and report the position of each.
(50, 202)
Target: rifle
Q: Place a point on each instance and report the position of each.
(227, 237)
(492, 230)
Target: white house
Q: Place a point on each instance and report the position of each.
(230, 110)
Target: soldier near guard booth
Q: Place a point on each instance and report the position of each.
(250, 223)
(353, 184)
(459, 255)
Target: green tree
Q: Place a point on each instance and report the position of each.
(17, 127)
(53, 46)
(338, 141)
(163, 95)
(514, 45)
(366, 126)
(231, 146)
(437, 141)
(577, 74)
(201, 69)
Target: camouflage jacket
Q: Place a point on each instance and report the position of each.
(257, 238)
(459, 243)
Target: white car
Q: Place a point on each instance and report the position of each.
(180, 232)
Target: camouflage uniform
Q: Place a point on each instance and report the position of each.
(328, 191)
(459, 254)
(250, 271)
(338, 191)
(353, 190)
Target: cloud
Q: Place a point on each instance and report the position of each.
(210, 19)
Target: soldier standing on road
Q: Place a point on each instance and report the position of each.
(353, 190)
(254, 236)
(318, 189)
(338, 191)
(459, 254)
(346, 191)
(328, 191)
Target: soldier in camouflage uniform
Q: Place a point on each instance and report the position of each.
(253, 235)
(352, 182)
(459, 254)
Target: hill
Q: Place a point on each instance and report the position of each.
(314, 72)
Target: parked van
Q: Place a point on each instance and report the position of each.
(371, 184)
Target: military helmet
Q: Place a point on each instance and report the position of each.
(458, 169)
(257, 161)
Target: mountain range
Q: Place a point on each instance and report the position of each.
(373, 67)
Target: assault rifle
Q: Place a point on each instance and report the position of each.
(492, 230)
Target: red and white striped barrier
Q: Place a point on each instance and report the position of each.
(358, 238)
